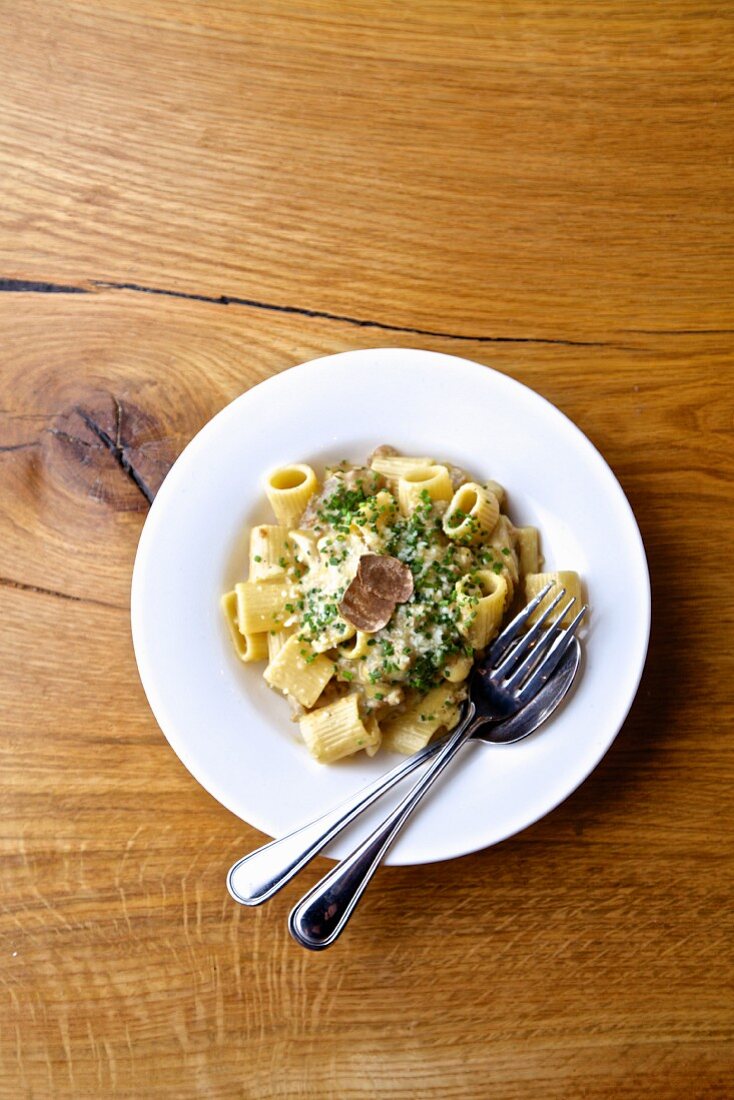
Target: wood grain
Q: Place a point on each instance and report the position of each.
(553, 180)
(434, 162)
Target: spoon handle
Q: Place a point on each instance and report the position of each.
(259, 875)
(321, 916)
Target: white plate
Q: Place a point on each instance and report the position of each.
(235, 735)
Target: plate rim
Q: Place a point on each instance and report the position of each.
(170, 484)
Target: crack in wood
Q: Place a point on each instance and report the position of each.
(26, 286)
(360, 322)
(21, 586)
(118, 421)
(681, 331)
(116, 449)
(91, 432)
(67, 437)
(299, 311)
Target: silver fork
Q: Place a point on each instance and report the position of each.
(259, 875)
(516, 666)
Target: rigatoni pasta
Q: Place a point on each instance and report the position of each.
(482, 597)
(414, 727)
(337, 730)
(396, 466)
(536, 582)
(472, 514)
(416, 482)
(374, 592)
(270, 552)
(248, 647)
(299, 672)
(261, 606)
(528, 548)
(289, 490)
(276, 641)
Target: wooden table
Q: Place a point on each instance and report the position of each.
(196, 195)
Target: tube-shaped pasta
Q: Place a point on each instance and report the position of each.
(415, 726)
(502, 543)
(337, 730)
(261, 605)
(567, 579)
(375, 735)
(434, 480)
(248, 647)
(289, 490)
(304, 549)
(394, 466)
(457, 668)
(497, 490)
(297, 671)
(528, 545)
(472, 513)
(269, 552)
(482, 610)
(355, 647)
(276, 641)
(338, 631)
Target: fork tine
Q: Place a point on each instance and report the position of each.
(528, 639)
(552, 658)
(513, 628)
(537, 653)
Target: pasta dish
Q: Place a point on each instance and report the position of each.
(373, 594)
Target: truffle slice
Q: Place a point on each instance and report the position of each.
(386, 577)
(364, 609)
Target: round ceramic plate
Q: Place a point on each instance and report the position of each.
(235, 735)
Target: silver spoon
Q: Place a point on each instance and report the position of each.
(259, 875)
(494, 689)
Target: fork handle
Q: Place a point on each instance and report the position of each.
(321, 915)
(260, 874)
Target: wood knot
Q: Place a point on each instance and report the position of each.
(110, 449)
